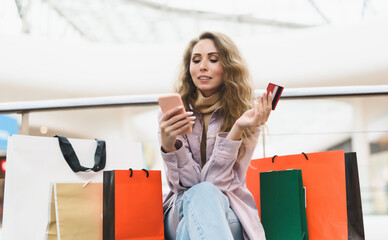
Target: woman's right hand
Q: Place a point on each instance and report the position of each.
(173, 124)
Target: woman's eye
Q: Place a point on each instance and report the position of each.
(213, 60)
(196, 61)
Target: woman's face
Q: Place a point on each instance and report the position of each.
(205, 67)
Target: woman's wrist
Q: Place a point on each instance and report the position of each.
(235, 133)
(169, 149)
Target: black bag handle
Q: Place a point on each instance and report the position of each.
(145, 170)
(304, 154)
(72, 159)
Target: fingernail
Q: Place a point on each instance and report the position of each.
(192, 117)
(180, 107)
(189, 113)
(192, 122)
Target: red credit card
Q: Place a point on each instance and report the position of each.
(276, 91)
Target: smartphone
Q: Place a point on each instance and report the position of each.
(171, 101)
(276, 91)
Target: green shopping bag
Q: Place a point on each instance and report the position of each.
(283, 205)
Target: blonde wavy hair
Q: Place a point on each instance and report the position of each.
(236, 91)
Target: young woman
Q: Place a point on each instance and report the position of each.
(206, 169)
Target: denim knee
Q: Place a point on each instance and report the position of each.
(205, 192)
(203, 188)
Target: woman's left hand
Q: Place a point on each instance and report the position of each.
(258, 115)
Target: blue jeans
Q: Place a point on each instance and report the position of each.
(202, 212)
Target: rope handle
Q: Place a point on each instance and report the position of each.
(304, 154)
(145, 170)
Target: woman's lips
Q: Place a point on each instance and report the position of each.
(204, 78)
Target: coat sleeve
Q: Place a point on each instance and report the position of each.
(228, 164)
(182, 171)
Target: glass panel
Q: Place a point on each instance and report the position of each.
(356, 124)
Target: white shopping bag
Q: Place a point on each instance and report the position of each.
(35, 162)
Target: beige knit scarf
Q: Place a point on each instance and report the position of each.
(206, 106)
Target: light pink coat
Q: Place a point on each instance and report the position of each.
(183, 170)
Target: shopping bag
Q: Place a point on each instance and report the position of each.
(333, 197)
(132, 205)
(35, 162)
(76, 211)
(283, 212)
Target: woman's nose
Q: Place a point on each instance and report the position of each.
(203, 66)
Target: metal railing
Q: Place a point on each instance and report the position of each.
(25, 107)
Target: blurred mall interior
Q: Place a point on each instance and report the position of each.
(78, 49)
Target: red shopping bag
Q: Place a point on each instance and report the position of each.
(333, 201)
(132, 205)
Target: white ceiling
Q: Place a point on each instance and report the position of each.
(73, 48)
(129, 21)
(326, 56)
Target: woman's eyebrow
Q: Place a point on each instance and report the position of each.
(210, 53)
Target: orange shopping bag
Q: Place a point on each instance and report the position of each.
(132, 205)
(333, 201)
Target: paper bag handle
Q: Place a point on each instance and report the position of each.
(72, 159)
